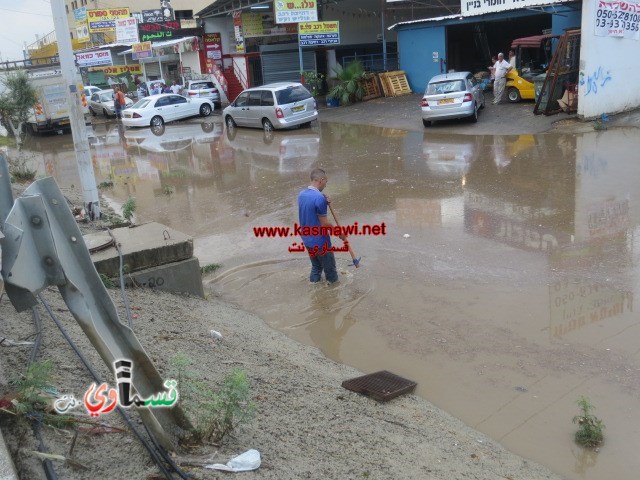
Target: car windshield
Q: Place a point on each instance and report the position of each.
(448, 86)
(292, 94)
(106, 97)
(143, 102)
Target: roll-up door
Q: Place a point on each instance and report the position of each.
(284, 66)
(152, 70)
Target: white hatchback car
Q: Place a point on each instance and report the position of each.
(272, 106)
(452, 95)
(155, 110)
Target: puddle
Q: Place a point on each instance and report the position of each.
(504, 285)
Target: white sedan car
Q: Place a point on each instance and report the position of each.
(157, 109)
(101, 102)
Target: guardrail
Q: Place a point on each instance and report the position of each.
(374, 62)
(30, 63)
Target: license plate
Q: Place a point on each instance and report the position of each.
(444, 101)
(299, 108)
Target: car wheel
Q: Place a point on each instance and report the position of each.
(231, 124)
(157, 121)
(474, 116)
(205, 110)
(426, 123)
(92, 111)
(157, 130)
(513, 95)
(267, 125)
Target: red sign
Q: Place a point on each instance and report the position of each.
(213, 46)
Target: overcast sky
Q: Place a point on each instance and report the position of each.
(20, 22)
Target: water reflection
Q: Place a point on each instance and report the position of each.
(509, 261)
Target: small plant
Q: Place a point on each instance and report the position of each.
(349, 88)
(214, 414)
(107, 282)
(20, 172)
(590, 428)
(212, 267)
(105, 184)
(129, 208)
(167, 190)
(29, 400)
(314, 82)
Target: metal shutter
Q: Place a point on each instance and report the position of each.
(285, 66)
(153, 70)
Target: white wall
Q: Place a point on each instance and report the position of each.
(609, 69)
(191, 60)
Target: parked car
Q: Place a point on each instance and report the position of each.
(157, 109)
(202, 89)
(147, 88)
(89, 90)
(450, 96)
(101, 102)
(272, 106)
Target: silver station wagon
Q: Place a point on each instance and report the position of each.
(273, 106)
(452, 95)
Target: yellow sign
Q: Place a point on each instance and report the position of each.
(118, 69)
(295, 11)
(104, 19)
(319, 27)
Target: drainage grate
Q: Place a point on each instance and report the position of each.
(381, 386)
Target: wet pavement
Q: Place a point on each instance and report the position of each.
(504, 285)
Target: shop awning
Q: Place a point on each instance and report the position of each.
(165, 44)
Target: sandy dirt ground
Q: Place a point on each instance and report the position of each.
(306, 424)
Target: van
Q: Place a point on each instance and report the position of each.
(272, 106)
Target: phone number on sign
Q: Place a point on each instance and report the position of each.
(632, 27)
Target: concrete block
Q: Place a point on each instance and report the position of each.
(145, 246)
(176, 277)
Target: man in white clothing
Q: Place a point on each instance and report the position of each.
(501, 68)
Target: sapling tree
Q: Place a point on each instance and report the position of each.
(16, 102)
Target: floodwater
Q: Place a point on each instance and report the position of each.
(504, 284)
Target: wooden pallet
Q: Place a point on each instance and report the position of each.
(395, 83)
(371, 85)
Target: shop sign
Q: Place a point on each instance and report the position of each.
(89, 59)
(238, 31)
(82, 31)
(318, 33)
(296, 11)
(618, 19)
(80, 14)
(104, 19)
(213, 45)
(117, 70)
(127, 30)
(263, 25)
(165, 31)
(188, 23)
(141, 50)
(480, 7)
(152, 16)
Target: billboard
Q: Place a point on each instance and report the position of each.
(104, 19)
(295, 11)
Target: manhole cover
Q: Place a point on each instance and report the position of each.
(97, 242)
(381, 386)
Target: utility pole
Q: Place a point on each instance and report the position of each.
(76, 116)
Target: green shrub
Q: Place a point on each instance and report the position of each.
(349, 88)
(314, 82)
(590, 428)
(129, 208)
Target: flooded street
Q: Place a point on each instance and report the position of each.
(504, 284)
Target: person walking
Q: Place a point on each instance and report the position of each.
(312, 212)
(119, 102)
(501, 68)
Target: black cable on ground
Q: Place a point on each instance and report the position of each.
(47, 465)
(127, 419)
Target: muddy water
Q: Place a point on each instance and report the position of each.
(504, 285)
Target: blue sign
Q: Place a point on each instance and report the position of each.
(312, 39)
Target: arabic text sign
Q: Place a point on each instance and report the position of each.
(127, 30)
(295, 11)
(618, 19)
(158, 31)
(141, 50)
(318, 33)
(104, 19)
(480, 7)
(90, 59)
